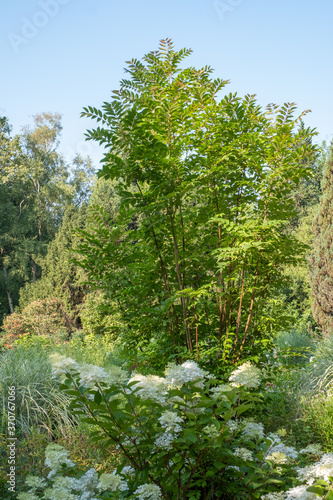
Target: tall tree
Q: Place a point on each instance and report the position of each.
(206, 181)
(36, 187)
(13, 220)
(321, 260)
(61, 279)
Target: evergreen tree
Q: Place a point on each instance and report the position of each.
(61, 278)
(321, 260)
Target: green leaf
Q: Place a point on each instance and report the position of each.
(190, 436)
(97, 397)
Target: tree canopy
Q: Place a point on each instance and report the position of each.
(197, 247)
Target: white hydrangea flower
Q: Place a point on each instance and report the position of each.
(300, 493)
(170, 421)
(165, 440)
(27, 496)
(312, 449)
(277, 457)
(273, 496)
(246, 375)
(90, 375)
(59, 494)
(62, 365)
(244, 454)
(128, 471)
(63, 483)
(233, 467)
(116, 375)
(210, 431)
(87, 482)
(233, 425)
(319, 470)
(289, 451)
(148, 492)
(112, 482)
(151, 387)
(55, 457)
(252, 430)
(35, 482)
(87, 495)
(178, 375)
(217, 392)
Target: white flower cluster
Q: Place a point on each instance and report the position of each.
(319, 470)
(90, 375)
(128, 471)
(178, 375)
(148, 492)
(312, 449)
(277, 457)
(246, 375)
(170, 421)
(112, 482)
(151, 387)
(35, 482)
(289, 451)
(252, 430)
(233, 425)
(210, 431)
(62, 365)
(244, 454)
(300, 493)
(273, 496)
(70, 488)
(27, 496)
(56, 456)
(218, 393)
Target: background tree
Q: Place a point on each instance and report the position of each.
(321, 260)
(36, 188)
(205, 184)
(61, 279)
(295, 296)
(14, 219)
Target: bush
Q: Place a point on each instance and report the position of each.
(295, 347)
(42, 317)
(181, 436)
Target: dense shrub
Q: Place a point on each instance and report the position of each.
(178, 437)
(42, 317)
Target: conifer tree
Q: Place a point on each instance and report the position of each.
(321, 260)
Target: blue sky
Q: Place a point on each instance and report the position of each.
(61, 55)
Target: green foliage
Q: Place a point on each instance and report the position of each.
(98, 317)
(321, 258)
(318, 375)
(39, 402)
(42, 317)
(197, 248)
(176, 438)
(61, 279)
(295, 347)
(36, 187)
(89, 348)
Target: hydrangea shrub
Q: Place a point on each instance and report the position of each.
(182, 436)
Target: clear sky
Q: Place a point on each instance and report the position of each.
(61, 55)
